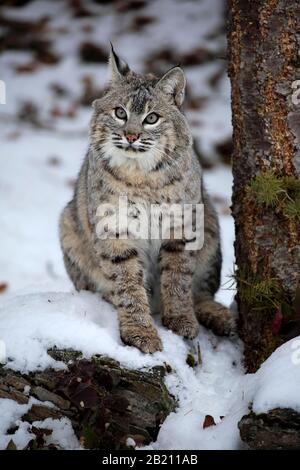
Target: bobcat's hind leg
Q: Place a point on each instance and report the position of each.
(74, 252)
(79, 279)
(215, 316)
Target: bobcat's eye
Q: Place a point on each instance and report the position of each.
(120, 113)
(152, 118)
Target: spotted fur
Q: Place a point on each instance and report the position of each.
(138, 276)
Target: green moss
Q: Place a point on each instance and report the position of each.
(190, 360)
(272, 190)
(89, 439)
(291, 184)
(194, 358)
(11, 445)
(267, 188)
(263, 295)
(292, 209)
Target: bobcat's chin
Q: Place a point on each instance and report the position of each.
(144, 160)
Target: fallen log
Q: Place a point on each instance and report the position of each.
(279, 429)
(106, 403)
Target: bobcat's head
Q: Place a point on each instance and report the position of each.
(138, 120)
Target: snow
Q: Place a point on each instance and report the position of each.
(275, 384)
(11, 413)
(39, 308)
(278, 380)
(34, 189)
(30, 324)
(62, 433)
(218, 182)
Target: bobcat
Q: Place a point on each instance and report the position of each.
(141, 147)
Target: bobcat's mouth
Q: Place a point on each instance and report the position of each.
(130, 147)
(141, 146)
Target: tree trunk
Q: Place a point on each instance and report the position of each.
(106, 403)
(264, 64)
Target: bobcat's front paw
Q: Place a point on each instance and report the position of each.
(184, 325)
(146, 339)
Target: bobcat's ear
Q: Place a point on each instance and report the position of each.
(117, 67)
(173, 84)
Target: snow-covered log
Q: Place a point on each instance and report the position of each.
(274, 419)
(110, 407)
(279, 429)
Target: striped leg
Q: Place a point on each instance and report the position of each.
(128, 294)
(177, 269)
(214, 315)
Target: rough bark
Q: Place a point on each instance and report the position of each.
(105, 402)
(264, 39)
(279, 429)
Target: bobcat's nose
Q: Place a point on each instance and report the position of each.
(131, 138)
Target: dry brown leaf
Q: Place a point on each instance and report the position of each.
(3, 287)
(208, 421)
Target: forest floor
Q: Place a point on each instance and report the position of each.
(53, 66)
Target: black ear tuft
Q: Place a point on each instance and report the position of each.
(118, 68)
